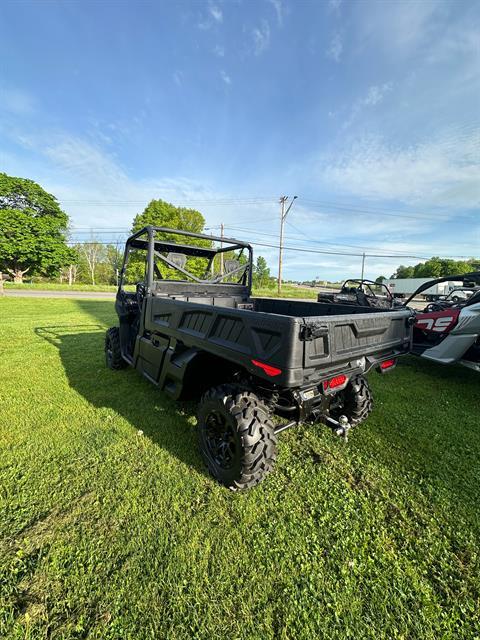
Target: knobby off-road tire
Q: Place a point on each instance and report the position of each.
(236, 436)
(113, 354)
(357, 401)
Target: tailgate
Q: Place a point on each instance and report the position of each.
(331, 339)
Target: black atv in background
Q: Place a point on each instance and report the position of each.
(192, 328)
(363, 293)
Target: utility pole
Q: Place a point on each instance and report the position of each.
(363, 264)
(283, 215)
(221, 247)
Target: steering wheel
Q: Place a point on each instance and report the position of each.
(434, 306)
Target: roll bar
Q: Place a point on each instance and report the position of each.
(154, 247)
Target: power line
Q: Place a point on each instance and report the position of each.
(340, 244)
(181, 202)
(80, 229)
(267, 200)
(277, 246)
(301, 249)
(336, 253)
(320, 242)
(368, 209)
(126, 231)
(381, 213)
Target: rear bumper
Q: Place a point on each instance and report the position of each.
(306, 378)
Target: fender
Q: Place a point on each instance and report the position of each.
(191, 371)
(437, 321)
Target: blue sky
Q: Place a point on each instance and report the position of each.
(368, 111)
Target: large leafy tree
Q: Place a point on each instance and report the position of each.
(163, 214)
(33, 229)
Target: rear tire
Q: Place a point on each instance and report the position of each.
(113, 354)
(355, 401)
(236, 436)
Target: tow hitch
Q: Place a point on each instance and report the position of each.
(340, 427)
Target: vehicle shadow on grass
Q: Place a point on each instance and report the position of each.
(165, 422)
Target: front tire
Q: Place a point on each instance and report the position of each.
(236, 437)
(355, 401)
(113, 353)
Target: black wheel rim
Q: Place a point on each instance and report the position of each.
(220, 440)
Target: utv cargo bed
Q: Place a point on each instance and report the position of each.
(303, 341)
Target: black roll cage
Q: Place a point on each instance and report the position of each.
(154, 247)
(368, 284)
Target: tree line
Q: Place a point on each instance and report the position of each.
(437, 268)
(35, 239)
(35, 242)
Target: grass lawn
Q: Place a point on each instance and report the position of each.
(288, 291)
(56, 286)
(109, 533)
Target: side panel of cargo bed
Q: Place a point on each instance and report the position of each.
(235, 334)
(337, 339)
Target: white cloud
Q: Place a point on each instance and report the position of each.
(458, 40)
(442, 172)
(225, 77)
(219, 51)
(77, 157)
(216, 13)
(86, 179)
(399, 27)
(279, 10)
(370, 229)
(84, 176)
(458, 48)
(214, 16)
(373, 97)
(261, 38)
(376, 94)
(335, 49)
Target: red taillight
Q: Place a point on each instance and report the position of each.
(336, 381)
(387, 364)
(267, 368)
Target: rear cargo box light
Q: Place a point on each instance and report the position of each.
(335, 382)
(388, 364)
(267, 368)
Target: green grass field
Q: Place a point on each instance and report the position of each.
(56, 286)
(288, 291)
(110, 527)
